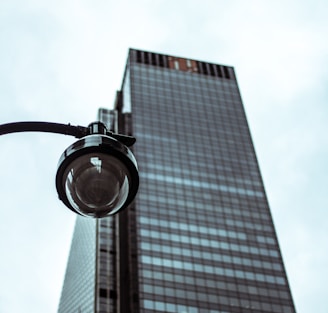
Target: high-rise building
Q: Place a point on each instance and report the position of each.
(199, 237)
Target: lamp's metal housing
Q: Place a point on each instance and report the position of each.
(97, 176)
(90, 147)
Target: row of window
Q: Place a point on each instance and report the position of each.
(197, 200)
(250, 289)
(230, 127)
(204, 198)
(238, 133)
(177, 92)
(196, 193)
(210, 297)
(183, 81)
(193, 228)
(200, 218)
(219, 219)
(168, 104)
(201, 184)
(192, 66)
(257, 221)
(171, 307)
(225, 172)
(227, 151)
(191, 174)
(176, 102)
(227, 301)
(184, 110)
(186, 88)
(215, 270)
(217, 257)
(192, 105)
(204, 229)
(215, 244)
(201, 172)
(192, 204)
(230, 130)
(142, 70)
(224, 157)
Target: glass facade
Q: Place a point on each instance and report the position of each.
(78, 293)
(205, 237)
(199, 237)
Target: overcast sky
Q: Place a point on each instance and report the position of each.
(62, 60)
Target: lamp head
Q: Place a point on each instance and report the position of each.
(97, 176)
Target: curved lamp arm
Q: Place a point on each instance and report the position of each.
(64, 129)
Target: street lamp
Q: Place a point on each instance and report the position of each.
(97, 176)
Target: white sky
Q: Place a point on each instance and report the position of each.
(62, 60)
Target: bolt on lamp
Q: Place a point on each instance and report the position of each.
(97, 176)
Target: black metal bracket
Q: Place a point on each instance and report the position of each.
(64, 129)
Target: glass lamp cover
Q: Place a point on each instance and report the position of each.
(96, 184)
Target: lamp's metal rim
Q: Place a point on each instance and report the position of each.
(102, 144)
